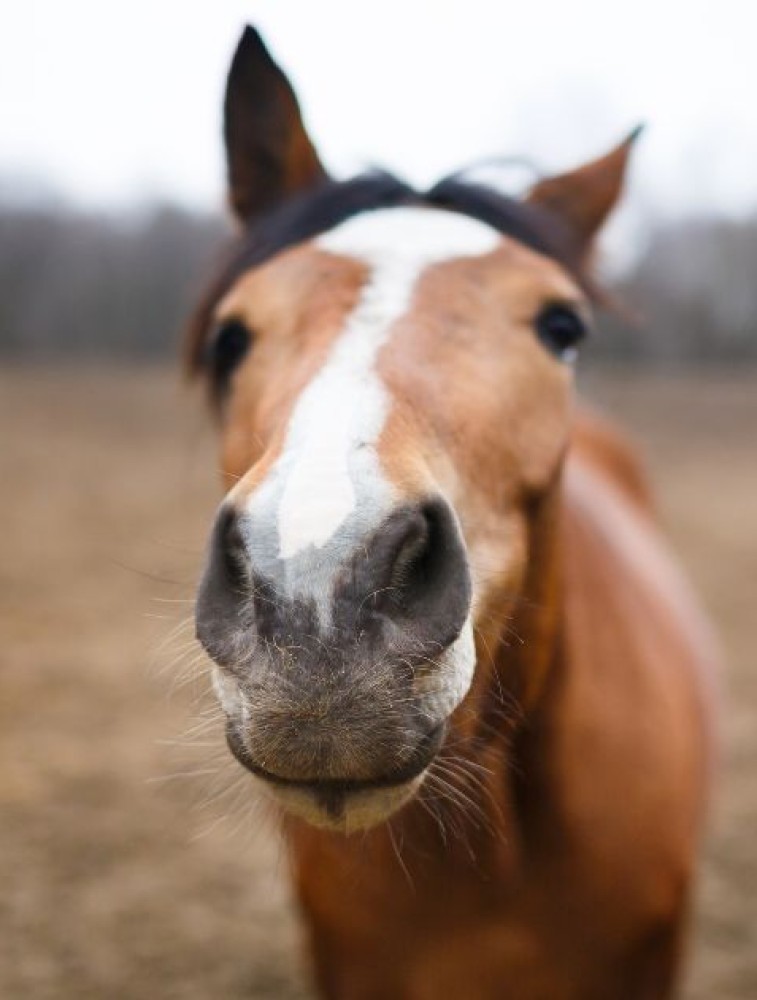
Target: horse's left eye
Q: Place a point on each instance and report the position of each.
(561, 330)
(226, 348)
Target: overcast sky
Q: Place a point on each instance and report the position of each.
(109, 103)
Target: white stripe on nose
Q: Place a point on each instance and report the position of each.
(339, 418)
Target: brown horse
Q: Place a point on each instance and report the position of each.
(438, 606)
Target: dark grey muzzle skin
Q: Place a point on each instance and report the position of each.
(348, 703)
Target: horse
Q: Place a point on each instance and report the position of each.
(446, 633)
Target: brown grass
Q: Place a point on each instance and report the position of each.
(116, 883)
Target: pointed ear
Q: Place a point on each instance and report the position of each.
(583, 198)
(269, 155)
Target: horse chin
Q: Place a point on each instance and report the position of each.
(347, 804)
(344, 811)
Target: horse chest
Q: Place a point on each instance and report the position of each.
(544, 938)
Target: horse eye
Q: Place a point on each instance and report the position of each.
(226, 348)
(561, 330)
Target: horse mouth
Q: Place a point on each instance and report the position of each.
(345, 804)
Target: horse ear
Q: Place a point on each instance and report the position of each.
(583, 198)
(269, 155)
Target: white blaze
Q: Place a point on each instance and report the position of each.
(340, 413)
(330, 448)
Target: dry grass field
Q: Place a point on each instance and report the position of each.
(125, 875)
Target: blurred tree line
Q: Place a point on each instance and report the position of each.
(76, 285)
(79, 285)
(693, 293)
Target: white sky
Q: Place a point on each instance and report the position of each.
(111, 103)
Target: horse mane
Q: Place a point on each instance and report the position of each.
(331, 203)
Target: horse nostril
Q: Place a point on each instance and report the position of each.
(230, 548)
(411, 562)
(223, 585)
(410, 556)
(418, 571)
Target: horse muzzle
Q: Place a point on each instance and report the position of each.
(338, 676)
